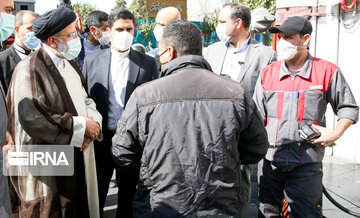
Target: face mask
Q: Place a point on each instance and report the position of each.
(105, 39)
(158, 32)
(31, 41)
(286, 50)
(7, 24)
(221, 32)
(122, 40)
(70, 49)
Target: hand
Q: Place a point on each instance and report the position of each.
(327, 138)
(8, 147)
(9, 140)
(86, 143)
(92, 128)
(78, 24)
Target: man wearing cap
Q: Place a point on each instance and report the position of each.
(292, 93)
(48, 105)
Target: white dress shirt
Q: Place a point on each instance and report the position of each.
(119, 72)
(20, 51)
(79, 122)
(234, 59)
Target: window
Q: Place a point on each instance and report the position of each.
(23, 7)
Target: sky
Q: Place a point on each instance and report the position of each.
(195, 7)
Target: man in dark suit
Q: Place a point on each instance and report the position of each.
(112, 75)
(7, 7)
(25, 41)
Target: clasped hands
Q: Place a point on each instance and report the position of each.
(92, 132)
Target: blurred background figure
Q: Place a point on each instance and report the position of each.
(139, 47)
(96, 36)
(25, 43)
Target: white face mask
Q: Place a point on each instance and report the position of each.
(158, 32)
(105, 39)
(70, 49)
(286, 51)
(221, 32)
(122, 40)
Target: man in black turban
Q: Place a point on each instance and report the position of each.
(48, 105)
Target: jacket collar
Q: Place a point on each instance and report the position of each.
(304, 73)
(185, 62)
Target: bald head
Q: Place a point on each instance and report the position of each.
(167, 15)
(163, 17)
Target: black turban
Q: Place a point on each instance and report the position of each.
(52, 22)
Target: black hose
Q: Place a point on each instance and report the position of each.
(326, 193)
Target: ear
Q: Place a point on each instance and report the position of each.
(51, 42)
(238, 23)
(16, 29)
(172, 53)
(92, 29)
(306, 39)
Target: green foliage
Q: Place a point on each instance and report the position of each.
(138, 8)
(146, 28)
(85, 9)
(209, 25)
(252, 4)
(120, 4)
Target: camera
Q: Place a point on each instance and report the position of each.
(309, 133)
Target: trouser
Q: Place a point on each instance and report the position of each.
(300, 185)
(245, 190)
(126, 180)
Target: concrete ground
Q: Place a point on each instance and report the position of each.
(341, 179)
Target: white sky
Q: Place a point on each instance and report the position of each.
(196, 8)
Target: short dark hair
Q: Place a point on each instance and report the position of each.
(120, 13)
(19, 17)
(95, 19)
(238, 10)
(184, 37)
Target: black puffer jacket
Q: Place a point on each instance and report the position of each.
(188, 132)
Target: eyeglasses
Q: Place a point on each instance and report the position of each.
(70, 35)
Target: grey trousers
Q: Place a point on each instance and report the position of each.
(300, 185)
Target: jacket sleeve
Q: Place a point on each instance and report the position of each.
(126, 149)
(341, 98)
(273, 58)
(259, 98)
(254, 142)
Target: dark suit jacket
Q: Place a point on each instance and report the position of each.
(96, 69)
(8, 61)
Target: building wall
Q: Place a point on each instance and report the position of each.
(336, 38)
(24, 5)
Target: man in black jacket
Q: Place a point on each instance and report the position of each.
(188, 133)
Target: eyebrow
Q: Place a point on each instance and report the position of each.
(9, 8)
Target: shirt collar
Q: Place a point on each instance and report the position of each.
(90, 46)
(59, 62)
(243, 47)
(304, 72)
(120, 55)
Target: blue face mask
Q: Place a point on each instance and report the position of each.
(7, 24)
(31, 41)
(71, 49)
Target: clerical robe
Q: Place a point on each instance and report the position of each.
(43, 102)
